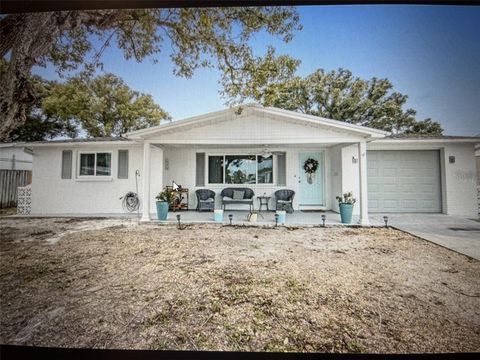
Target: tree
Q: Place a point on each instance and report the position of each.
(38, 126)
(102, 106)
(341, 96)
(197, 37)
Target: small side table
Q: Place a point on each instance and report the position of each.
(263, 200)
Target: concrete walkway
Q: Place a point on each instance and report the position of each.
(456, 233)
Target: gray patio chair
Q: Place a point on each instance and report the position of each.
(228, 198)
(205, 199)
(284, 200)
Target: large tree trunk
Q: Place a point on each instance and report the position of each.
(29, 37)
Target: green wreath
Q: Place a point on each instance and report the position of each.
(310, 166)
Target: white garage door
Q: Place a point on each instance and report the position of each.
(404, 181)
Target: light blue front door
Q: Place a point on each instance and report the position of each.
(311, 191)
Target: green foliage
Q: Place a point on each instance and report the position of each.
(341, 96)
(191, 37)
(166, 195)
(103, 106)
(38, 125)
(346, 199)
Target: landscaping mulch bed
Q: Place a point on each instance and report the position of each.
(116, 284)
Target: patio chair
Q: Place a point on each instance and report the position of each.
(230, 196)
(205, 199)
(284, 200)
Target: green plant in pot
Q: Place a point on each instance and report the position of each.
(345, 204)
(164, 199)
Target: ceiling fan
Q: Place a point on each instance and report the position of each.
(267, 152)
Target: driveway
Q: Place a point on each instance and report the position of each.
(456, 233)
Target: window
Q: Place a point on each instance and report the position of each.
(240, 169)
(265, 169)
(95, 164)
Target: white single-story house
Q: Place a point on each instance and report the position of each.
(264, 149)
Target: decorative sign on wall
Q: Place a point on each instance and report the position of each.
(24, 200)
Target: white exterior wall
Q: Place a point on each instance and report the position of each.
(53, 195)
(460, 180)
(23, 160)
(350, 175)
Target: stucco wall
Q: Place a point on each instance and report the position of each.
(460, 180)
(53, 195)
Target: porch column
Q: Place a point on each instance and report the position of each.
(362, 170)
(146, 182)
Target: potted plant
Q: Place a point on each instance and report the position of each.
(345, 204)
(164, 199)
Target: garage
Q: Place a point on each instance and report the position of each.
(404, 181)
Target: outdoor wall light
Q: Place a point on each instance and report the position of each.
(166, 164)
(354, 160)
(451, 159)
(324, 218)
(385, 219)
(276, 220)
(230, 217)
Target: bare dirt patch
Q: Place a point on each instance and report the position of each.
(115, 284)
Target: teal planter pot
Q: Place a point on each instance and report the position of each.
(162, 210)
(218, 215)
(346, 211)
(282, 217)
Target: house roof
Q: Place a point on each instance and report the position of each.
(431, 138)
(340, 125)
(435, 137)
(96, 140)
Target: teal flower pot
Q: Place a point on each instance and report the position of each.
(162, 210)
(346, 211)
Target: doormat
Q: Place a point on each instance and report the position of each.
(314, 211)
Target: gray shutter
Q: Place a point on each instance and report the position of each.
(200, 170)
(66, 164)
(123, 164)
(281, 170)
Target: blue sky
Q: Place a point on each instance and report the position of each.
(430, 53)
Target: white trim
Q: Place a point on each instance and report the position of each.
(73, 144)
(362, 175)
(472, 140)
(368, 132)
(146, 181)
(94, 177)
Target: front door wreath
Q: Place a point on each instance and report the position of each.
(310, 166)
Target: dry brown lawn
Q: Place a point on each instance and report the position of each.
(115, 284)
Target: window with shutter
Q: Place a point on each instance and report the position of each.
(123, 164)
(66, 164)
(200, 170)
